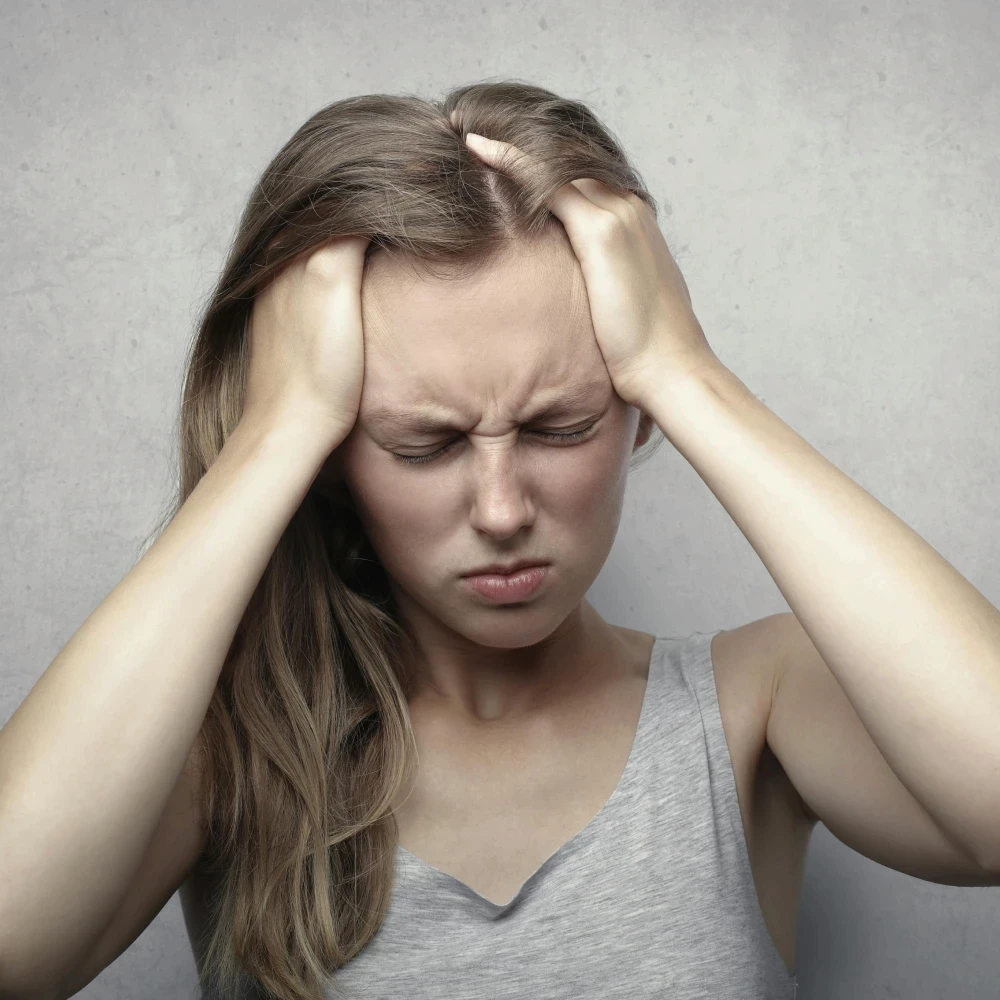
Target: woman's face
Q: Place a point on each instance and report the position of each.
(484, 357)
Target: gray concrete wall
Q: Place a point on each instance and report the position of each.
(829, 174)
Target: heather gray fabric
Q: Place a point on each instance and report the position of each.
(653, 898)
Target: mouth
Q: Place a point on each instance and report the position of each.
(508, 588)
(505, 569)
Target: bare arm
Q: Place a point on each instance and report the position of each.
(90, 758)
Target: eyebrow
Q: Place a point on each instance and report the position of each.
(566, 399)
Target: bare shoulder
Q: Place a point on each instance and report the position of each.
(747, 663)
(747, 660)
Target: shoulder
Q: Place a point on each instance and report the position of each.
(747, 661)
(752, 654)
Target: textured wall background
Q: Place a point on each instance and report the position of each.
(829, 180)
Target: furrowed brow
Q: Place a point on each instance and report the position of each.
(392, 418)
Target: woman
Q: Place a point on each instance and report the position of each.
(376, 765)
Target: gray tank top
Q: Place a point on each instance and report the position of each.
(654, 897)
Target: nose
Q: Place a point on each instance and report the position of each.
(502, 494)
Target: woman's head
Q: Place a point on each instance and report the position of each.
(472, 303)
(504, 362)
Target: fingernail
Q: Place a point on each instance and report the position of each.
(474, 139)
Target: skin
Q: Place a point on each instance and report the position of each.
(487, 352)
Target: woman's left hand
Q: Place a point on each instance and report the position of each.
(640, 306)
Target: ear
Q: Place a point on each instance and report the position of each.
(644, 430)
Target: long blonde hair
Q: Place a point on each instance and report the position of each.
(307, 738)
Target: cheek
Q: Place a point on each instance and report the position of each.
(589, 486)
(403, 512)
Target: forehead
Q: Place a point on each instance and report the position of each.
(510, 336)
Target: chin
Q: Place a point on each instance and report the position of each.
(509, 626)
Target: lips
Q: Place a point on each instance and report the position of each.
(505, 568)
(508, 588)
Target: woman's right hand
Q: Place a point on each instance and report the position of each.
(306, 341)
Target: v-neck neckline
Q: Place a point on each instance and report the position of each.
(588, 830)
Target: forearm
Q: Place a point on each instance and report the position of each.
(914, 645)
(90, 757)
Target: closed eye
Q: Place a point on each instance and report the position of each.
(549, 435)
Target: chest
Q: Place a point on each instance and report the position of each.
(492, 811)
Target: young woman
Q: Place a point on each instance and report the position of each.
(353, 701)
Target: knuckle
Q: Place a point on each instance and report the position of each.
(608, 226)
(322, 275)
(322, 265)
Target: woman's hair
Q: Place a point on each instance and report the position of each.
(307, 739)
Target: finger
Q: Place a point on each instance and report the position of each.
(579, 195)
(598, 193)
(593, 189)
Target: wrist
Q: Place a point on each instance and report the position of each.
(305, 433)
